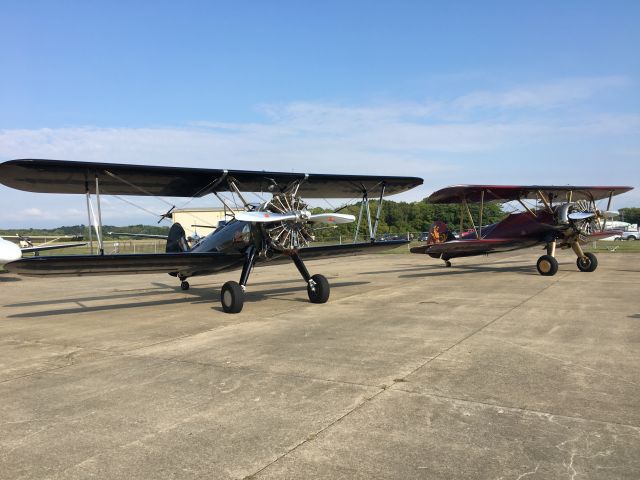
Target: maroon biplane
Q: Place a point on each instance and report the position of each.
(564, 217)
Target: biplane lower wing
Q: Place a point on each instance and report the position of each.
(461, 248)
(192, 263)
(81, 265)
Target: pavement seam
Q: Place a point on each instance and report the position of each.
(478, 330)
(315, 435)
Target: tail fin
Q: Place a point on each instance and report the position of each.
(177, 239)
(439, 233)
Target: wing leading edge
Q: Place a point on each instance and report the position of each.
(62, 176)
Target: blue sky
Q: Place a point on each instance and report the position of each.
(455, 92)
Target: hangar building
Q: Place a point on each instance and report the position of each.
(200, 221)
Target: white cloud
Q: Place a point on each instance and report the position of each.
(545, 96)
(444, 141)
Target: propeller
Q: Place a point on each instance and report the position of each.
(302, 216)
(578, 216)
(286, 221)
(583, 216)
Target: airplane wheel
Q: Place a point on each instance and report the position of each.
(320, 292)
(184, 285)
(232, 297)
(547, 265)
(587, 264)
(447, 263)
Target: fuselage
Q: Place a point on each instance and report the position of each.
(516, 231)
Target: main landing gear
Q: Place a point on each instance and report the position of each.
(232, 294)
(587, 262)
(548, 265)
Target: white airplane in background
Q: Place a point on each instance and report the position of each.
(10, 252)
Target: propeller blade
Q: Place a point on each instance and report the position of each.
(581, 215)
(264, 217)
(332, 218)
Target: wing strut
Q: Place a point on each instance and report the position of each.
(466, 206)
(364, 206)
(375, 225)
(95, 221)
(481, 211)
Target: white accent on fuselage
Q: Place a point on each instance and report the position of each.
(9, 252)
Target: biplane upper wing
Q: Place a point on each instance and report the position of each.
(508, 193)
(62, 176)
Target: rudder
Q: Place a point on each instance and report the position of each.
(177, 239)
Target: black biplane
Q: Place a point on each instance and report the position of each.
(278, 228)
(566, 217)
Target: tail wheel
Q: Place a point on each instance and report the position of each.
(547, 265)
(588, 263)
(232, 297)
(184, 285)
(318, 289)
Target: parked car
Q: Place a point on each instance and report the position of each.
(630, 235)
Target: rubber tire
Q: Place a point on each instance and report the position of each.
(589, 267)
(552, 266)
(321, 292)
(447, 263)
(232, 297)
(631, 238)
(184, 285)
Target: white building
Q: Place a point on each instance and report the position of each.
(199, 221)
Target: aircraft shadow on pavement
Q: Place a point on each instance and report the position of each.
(157, 289)
(465, 269)
(9, 278)
(438, 266)
(196, 295)
(635, 315)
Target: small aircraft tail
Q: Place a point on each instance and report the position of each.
(177, 239)
(439, 233)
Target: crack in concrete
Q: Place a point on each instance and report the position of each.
(566, 362)
(526, 474)
(548, 415)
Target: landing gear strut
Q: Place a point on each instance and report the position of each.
(317, 285)
(232, 293)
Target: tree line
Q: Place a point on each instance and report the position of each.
(396, 218)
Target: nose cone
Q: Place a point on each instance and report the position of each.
(9, 252)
